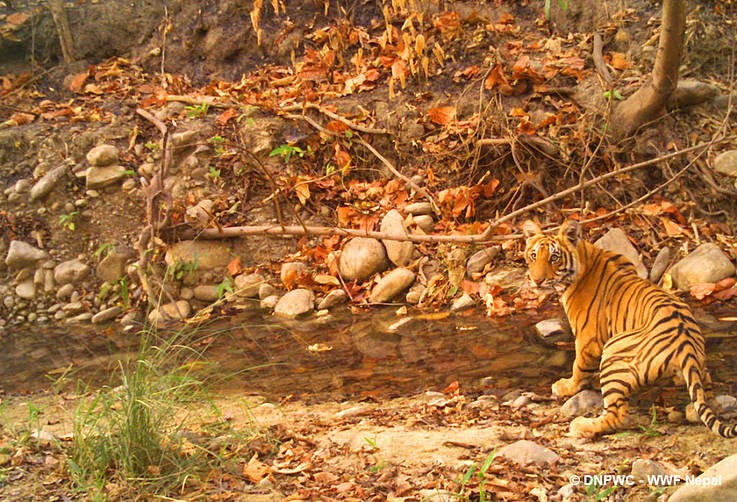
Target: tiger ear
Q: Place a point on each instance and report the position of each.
(571, 231)
(530, 228)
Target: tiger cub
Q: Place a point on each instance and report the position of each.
(638, 331)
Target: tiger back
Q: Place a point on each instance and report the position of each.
(625, 327)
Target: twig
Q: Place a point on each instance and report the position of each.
(599, 59)
(340, 118)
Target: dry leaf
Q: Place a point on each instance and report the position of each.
(235, 267)
(672, 229)
(442, 115)
(255, 470)
(75, 85)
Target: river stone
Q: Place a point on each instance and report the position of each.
(582, 403)
(690, 92)
(425, 222)
(642, 470)
(526, 452)
(106, 315)
(725, 403)
(249, 285)
(21, 255)
(717, 484)
(660, 263)
(481, 258)
(171, 311)
(400, 253)
(706, 263)
(290, 271)
(207, 292)
(361, 258)
(112, 268)
(548, 329)
(47, 183)
(207, 255)
(462, 303)
(418, 208)
(616, 241)
(726, 163)
(391, 285)
(103, 155)
(26, 289)
(23, 185)
(70, 271)
(98, 177)
(334, 298)
(414, 295)
(265, 290)
(295, 303)
(269, 302)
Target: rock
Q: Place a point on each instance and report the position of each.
(70, 272)
(269, 302)
(265, 290)
(106, 315)
(425, 222)
(204, 255)
(462, 303)
(526, 452)
(112, 267)
(98, 177)
(660, 263)
(717, 483)
(171, 311)
(414, 295)
(616, 241)
(478, 260)
(23, 185)
(391, 285)
(506, 279)
(184, 138)
(47, 183)
(558, 329)
(334, 298)
(248, 285)
(103, 155)
(21, 255)
(726, 163)
(26, 290)
(706, 263)
(295, 303)
(399, 253)
(691, 92)
(361, 258)
(582, 403)
(418, 208)
(725, 403)
(207, 292)
(644, 470)
(65, 291)
(290, 271)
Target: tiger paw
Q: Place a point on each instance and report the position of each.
(585, 427)
(565, 387)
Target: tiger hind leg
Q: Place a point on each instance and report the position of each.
(617, 382)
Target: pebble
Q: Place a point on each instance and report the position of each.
(103, 155)
(418, 208)
(526, 452)
(106, 315)
(295, 303)
(391, 285)
(462, 303)
(334, 298)
(21, 254)
(582, 403)
(361, 258)
(249, 285)
(400, 253)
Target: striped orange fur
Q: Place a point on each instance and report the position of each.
(626, 328)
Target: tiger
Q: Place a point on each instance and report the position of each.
(626, 327)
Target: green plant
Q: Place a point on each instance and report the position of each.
(67, 221)
(563, 4)
(484, 496)
(214, 173)
(151, 145)
(226, 285)
(219, 143)
(613, 94)
(595, 491)
(649, 430)
(195, 111)
(104, 250)
(287, 151)
(181, 269)
(124, 291)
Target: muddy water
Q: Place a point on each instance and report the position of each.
(373, 354)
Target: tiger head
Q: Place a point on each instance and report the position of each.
(551, 259)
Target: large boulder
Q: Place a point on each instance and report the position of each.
(616, 241)
(22, 255)
(706, 263)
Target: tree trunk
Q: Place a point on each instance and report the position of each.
(648, 103)
(61, 21)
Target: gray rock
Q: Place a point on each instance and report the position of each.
(291, 270)
(23, 185)
(207, 292)
(582, 403)
(660, 263)
(725, 403)
(414, 295)
(391, 285)
(726, 163)
(706, 263)
(103, 155)
(643, 470)
(691, 92)
(112, 267)
(399, 253)
(361, 258)
(616, 241)
(21, 255)
(418, 208)
(72, 307)
(248, 285)
(26, 290)
(553, 328)
(70, 272)
(462, 303)
(106, 315)
(481, 258)
(79, 318)
(204, 255)
(171, 311)
(506, 278)
(295, 303)
(717, 484)
(47, 183)
(334, 298)
(98, 177)
(269, 302)
(65, 291)
(425, 222)
(265, 290)
(526, 452)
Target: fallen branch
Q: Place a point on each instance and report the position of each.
(599, 62)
